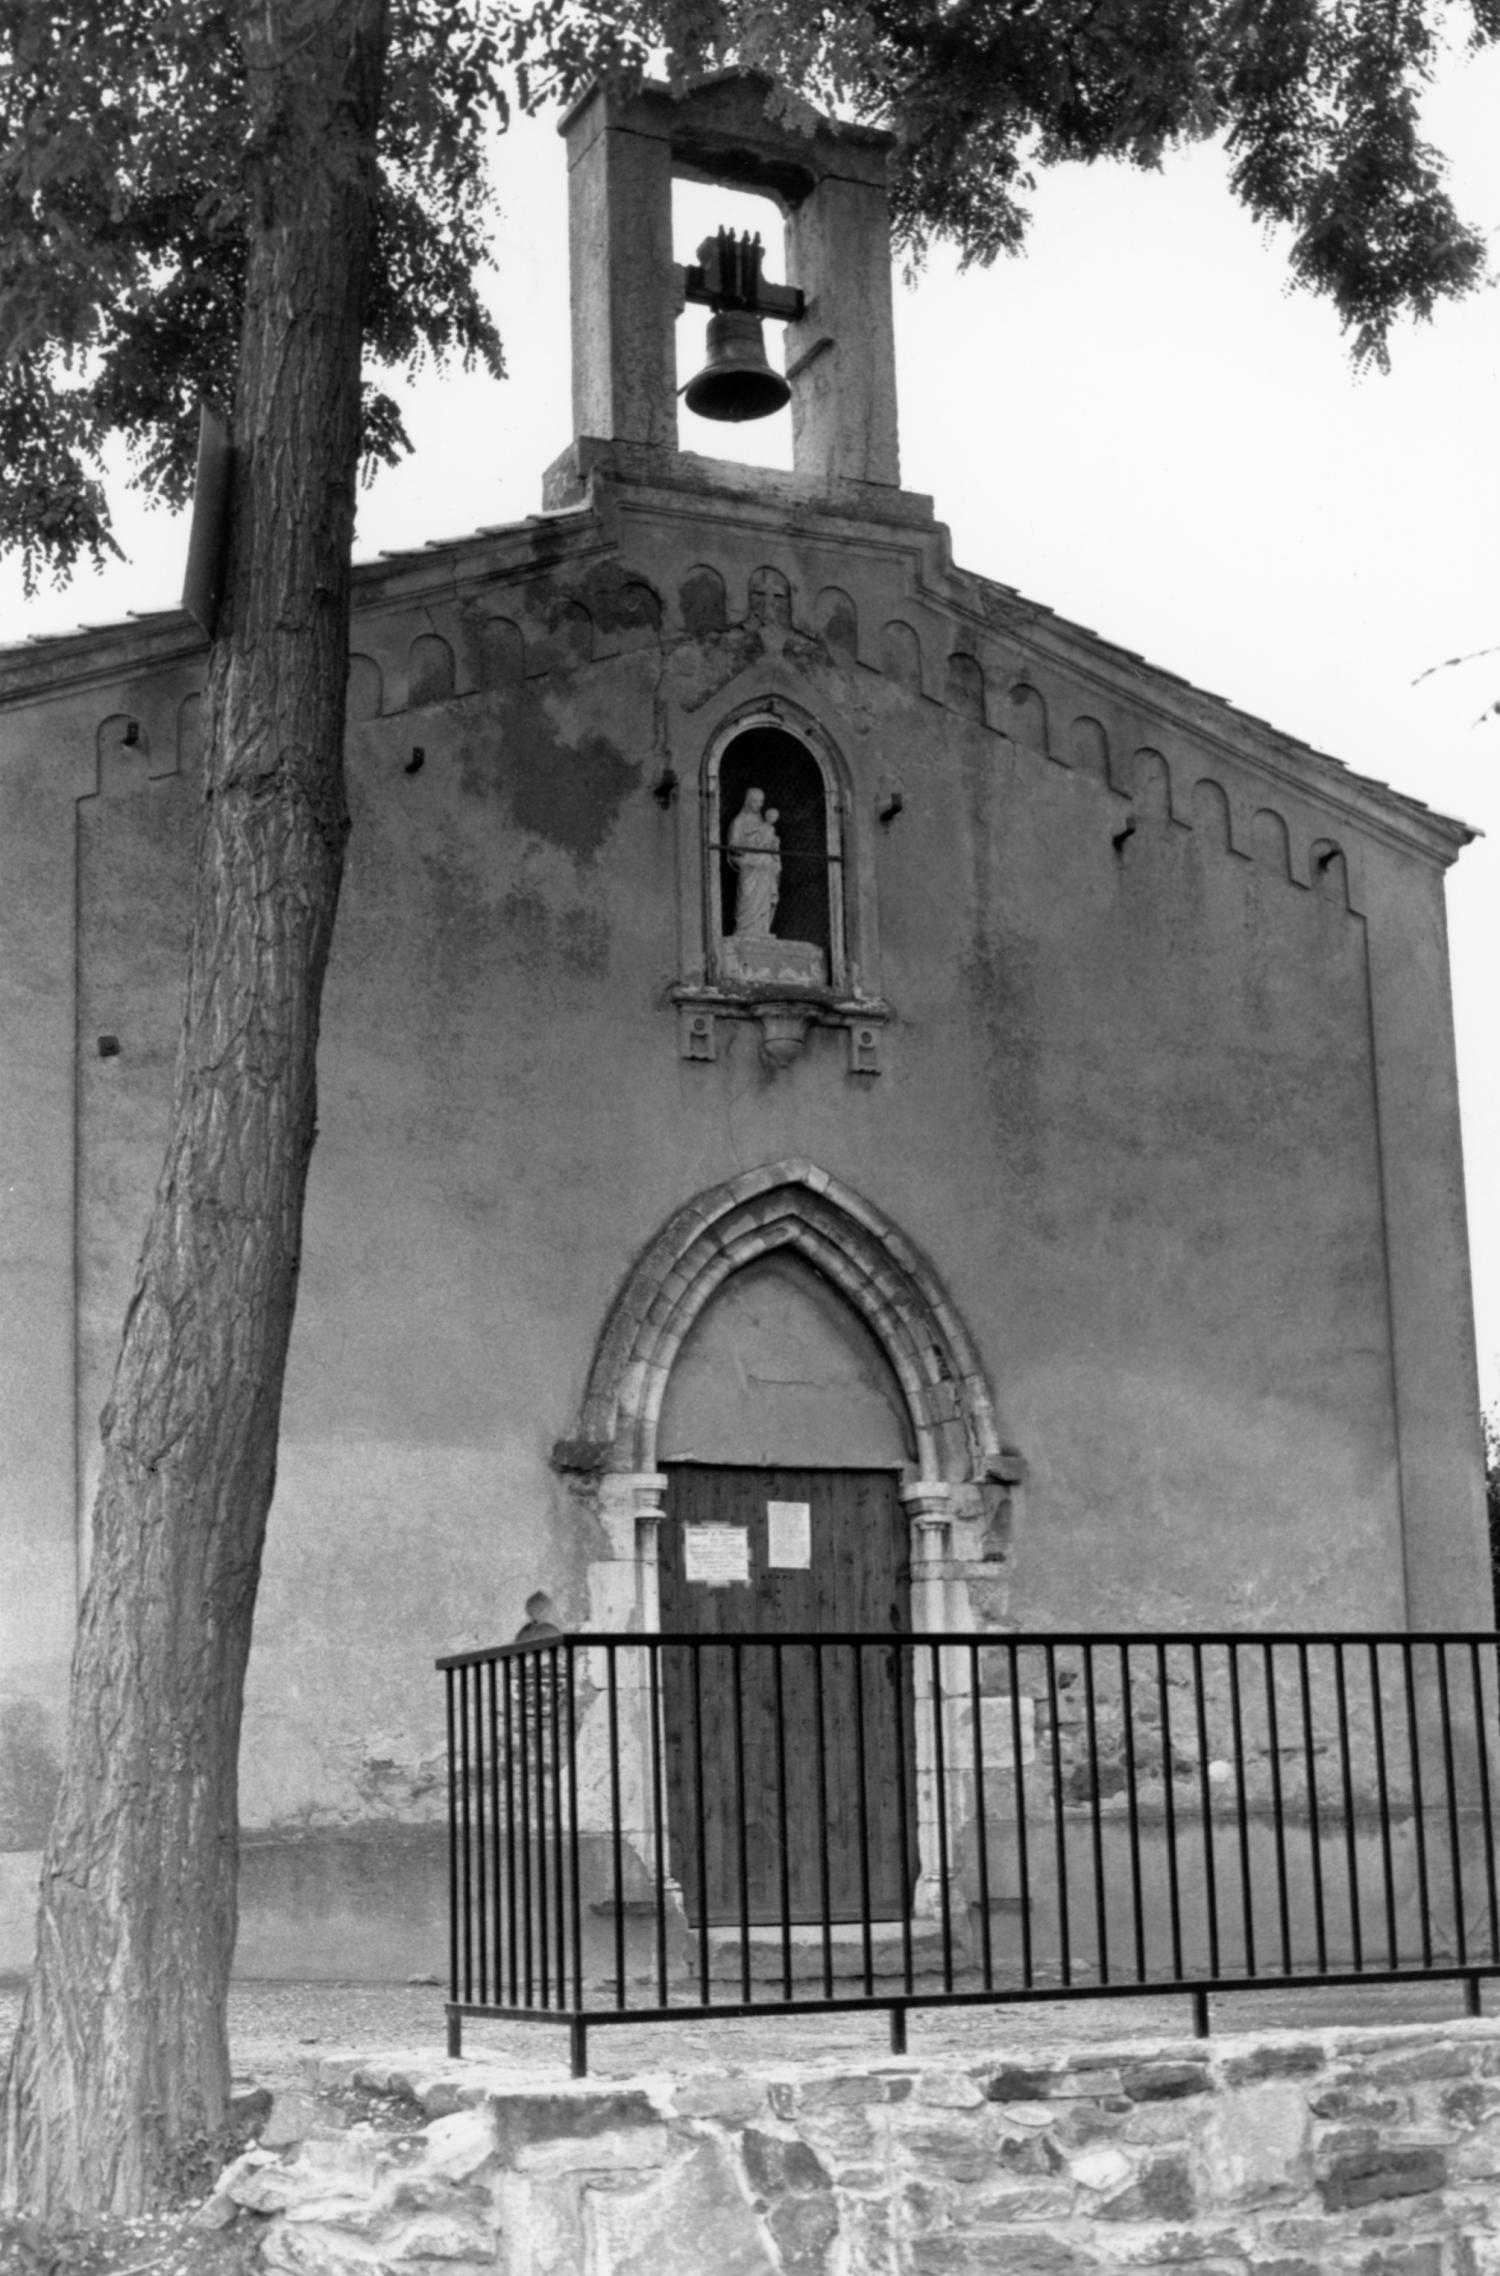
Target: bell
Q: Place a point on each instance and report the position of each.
(736, 382)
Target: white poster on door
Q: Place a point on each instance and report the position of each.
(716, 1555)
(789, 1536)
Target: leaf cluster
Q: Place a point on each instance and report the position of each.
(127, 152)
(1318, 102)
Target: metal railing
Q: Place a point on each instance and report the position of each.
(645, 1827)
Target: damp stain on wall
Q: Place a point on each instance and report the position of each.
(567, 793)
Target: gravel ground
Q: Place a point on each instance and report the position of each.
(279, 2031)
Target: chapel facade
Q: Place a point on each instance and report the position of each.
(808, 1026)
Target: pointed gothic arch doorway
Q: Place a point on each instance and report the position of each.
(783, 1437)
(915, 1464)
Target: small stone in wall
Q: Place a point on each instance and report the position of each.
(1017, 2085)
(1161, 2191)
(1101, 2169)
(293, 2117)
(1163, 2082)
(1364, 2177)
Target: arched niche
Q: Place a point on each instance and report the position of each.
(774, 751)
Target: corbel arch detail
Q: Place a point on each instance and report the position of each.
(855, 1246)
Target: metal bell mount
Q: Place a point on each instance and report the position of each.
(738, 381)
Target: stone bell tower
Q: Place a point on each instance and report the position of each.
(627, 290)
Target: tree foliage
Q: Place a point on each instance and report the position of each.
(1318, 102)
(130, 161)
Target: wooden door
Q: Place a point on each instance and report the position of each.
(793, 1779)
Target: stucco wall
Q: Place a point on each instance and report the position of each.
(1147, 1104)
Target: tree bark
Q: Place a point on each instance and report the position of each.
(120, 2073)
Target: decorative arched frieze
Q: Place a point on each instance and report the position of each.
(856, 1247)
(1329, 871)
(497, 651)
(560, 635)
(1151, 783)
(702, 603)
(1089, 747)
(1212, 814)
(365, 688)
(1029, 717)
(429, 671)
(1271, 841)
(965, 685)
(836, 619)
(901, 655)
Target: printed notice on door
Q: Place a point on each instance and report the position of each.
(789, 1536)
(717, 1555)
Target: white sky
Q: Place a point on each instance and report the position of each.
(1140, 426)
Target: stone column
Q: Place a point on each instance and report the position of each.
(624, 1595)
(929, 1509)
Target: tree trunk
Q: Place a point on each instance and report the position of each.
(120, 2072)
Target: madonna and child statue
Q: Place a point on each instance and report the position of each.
(753, 951)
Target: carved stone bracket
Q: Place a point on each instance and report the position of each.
(784, 1021)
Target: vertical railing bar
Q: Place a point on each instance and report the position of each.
(1023, 1863)
(496, 1847)
(1206, 1803)
(1351, 1847)
(1278, 1812)
(616, 1829)
(559, 1845)
(513, 1937)
(658, 1817)
(737, 1683)
(543, 1917)
(1242, 1804)
(981, 1823)
(452, 1677)
(1059, 1824)
(1090, 1710)
(1169, 1808)
(940, 1771)
(864, 1818)
(468, 1837)
(1455, 1846)
(903, 1816)
(695, 1652)
(481, 1842)
(1138, 1910)
(524, 1718)
(1418, 1802)
(1314, 1827)
(574, 1862)
(825, 1900)
(1383, 1797)
(781, 1821)
(1486, 1809)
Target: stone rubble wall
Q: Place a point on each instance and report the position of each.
(1330, 2153)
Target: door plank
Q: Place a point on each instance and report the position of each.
(790, 1779)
